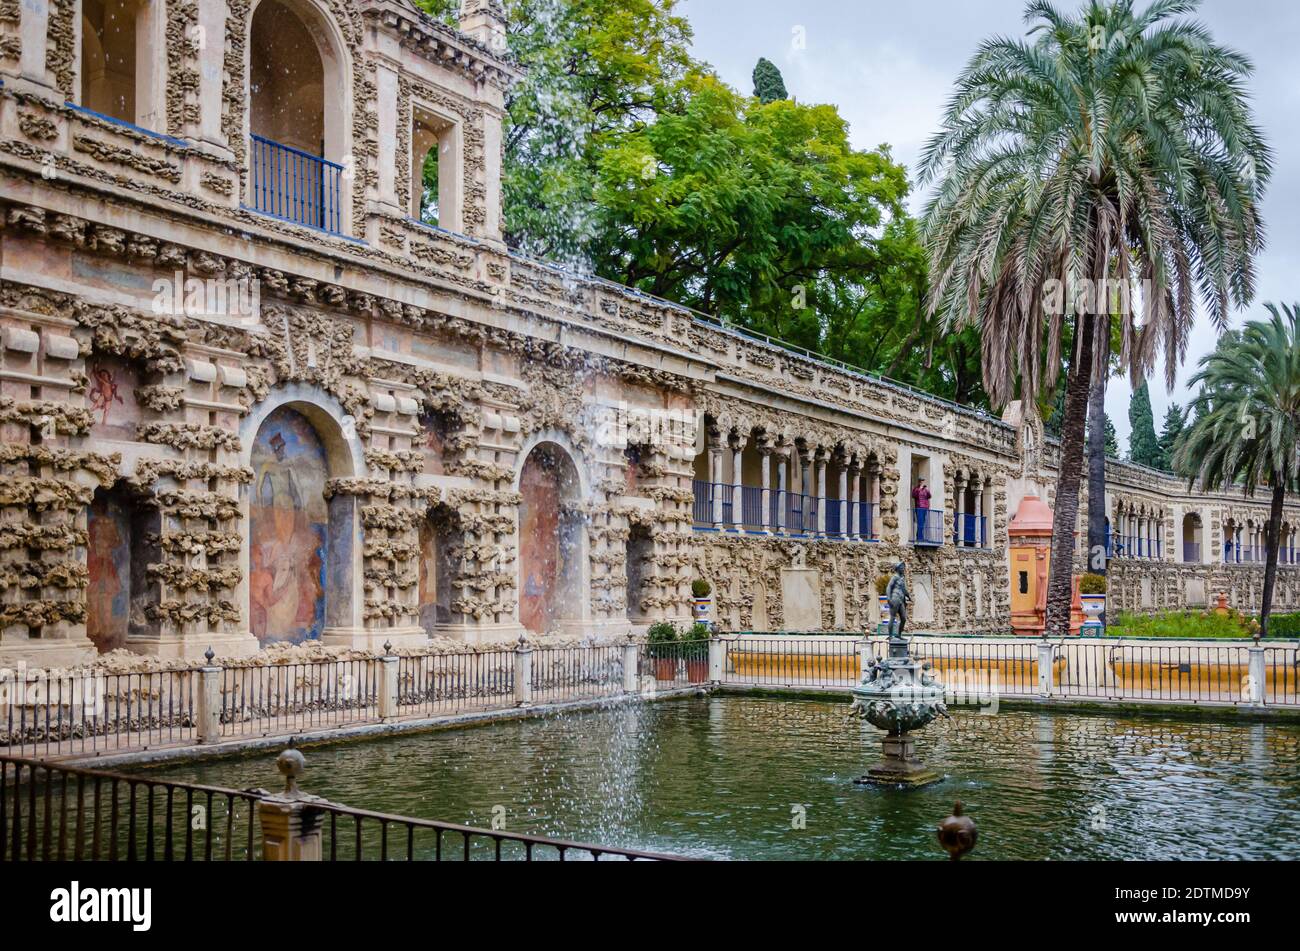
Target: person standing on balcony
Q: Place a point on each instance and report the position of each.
(921, 505)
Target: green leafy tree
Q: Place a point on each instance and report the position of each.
(1111, 144)
(769, 219)
(1246, 423)
(1170, 430)
(594, 71)
(1143, 446)
(769, 85)
(765, 214)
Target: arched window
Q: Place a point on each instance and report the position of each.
(435, 169)
(1192, 540)
(551, 542)
(297, 115)
(120, 53)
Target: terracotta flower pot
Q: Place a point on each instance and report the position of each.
(665, 668)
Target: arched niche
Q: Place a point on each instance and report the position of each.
(302, 562)
(552, 540)
(122, 531)
(436, 571)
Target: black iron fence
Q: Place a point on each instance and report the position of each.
(52, 812)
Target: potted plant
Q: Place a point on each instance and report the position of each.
(696, 651)
(1092, 601)
(700, 591)
(882, 582)
(661, 648)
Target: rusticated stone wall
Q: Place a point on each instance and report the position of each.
(431, 364)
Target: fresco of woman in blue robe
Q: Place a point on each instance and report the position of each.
(288, 533)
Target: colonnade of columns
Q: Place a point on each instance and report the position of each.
(1137, 534)
(1248, 543)
(794, 491)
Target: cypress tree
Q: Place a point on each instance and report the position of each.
(1175, 420)
(769, 86)
(1143, 447)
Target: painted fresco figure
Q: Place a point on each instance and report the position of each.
(287, 540)
(897, 594)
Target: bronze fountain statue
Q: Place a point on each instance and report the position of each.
(898, 695)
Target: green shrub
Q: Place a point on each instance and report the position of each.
(662, 632)
(1284, 625)
(882, 582)
(701, 588)
(1178, 624)
(699, 631)
(1092, 584)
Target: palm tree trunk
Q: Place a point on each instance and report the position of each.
(1270, 566)
(1097, 461)
(1065, 510)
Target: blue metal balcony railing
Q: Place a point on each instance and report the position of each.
(867, 520)
(751, 507)
(1191, 552)
(294, 185)
(970, 531)
(927, 527)
(790, 512)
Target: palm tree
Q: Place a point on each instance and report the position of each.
(1116, 146)
(1246, 422)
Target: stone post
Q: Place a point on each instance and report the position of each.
(209, 701)
(630, 653)
(523, 673)
(1255, 682)
(291, 828)
(1045, 668)
(717, 659)
(387, 684)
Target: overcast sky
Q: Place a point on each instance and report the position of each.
(889, 68)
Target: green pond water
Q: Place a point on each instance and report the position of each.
(730, 777)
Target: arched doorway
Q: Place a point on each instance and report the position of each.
(552, 542)
(300, 545)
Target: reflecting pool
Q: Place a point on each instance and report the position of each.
(732, 777)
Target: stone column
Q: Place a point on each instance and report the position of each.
(715, 483)
(782, 492)
(959, 508)
(874, 477)
(630, 651)
(737, 486)
(765, 453)
(981, 530)
(855, 484)
(844, 500)
(819, 461)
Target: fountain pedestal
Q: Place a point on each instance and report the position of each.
(897, 695)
